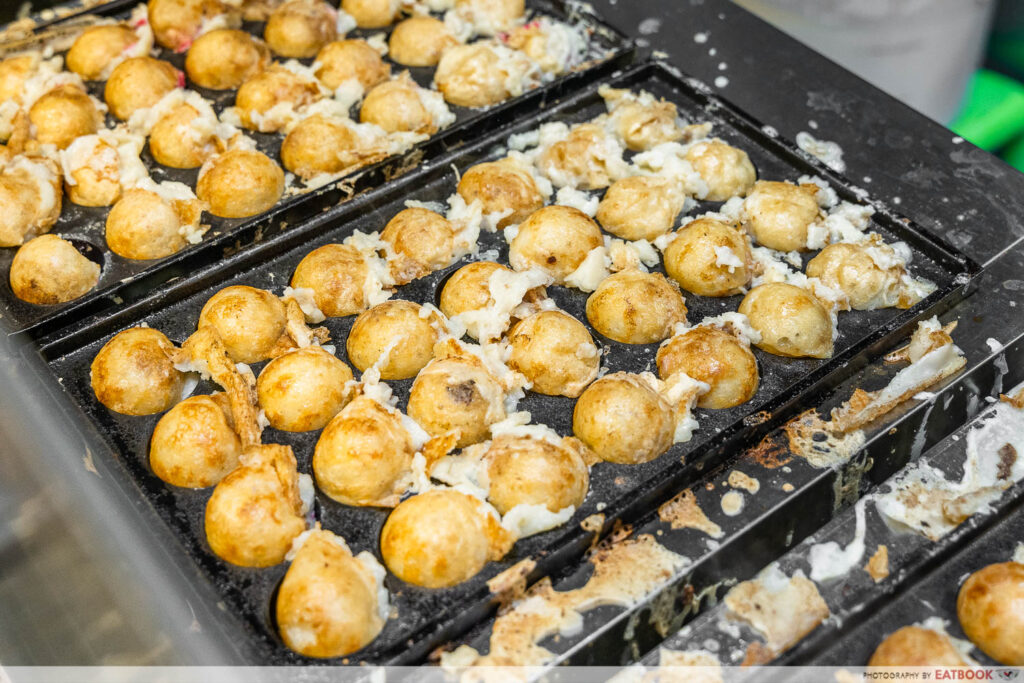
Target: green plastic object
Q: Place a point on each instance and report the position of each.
(993, 111)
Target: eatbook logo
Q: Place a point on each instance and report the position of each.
(1007, 675)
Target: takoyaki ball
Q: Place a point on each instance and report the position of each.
(171, 148)
(850, 269)
(423, 240)
(640, 207)
(579, 159)
(555, 352)
(249, 321)
(372, 13)
(346, 59)
(139, 83)
(397, 336)
(726, 169)
(476, 75)
(709, 258)
(441, 538)
(176, 23)
(713, 356)
(623, 420)
(133, 373)
(990, 607)
(194, 444)
(255, 512)
(240, 183)
(491, 17)
(299, 28)
(555, 239)
(642, 124)
(364, 455)
(634, 307)
(63, 114)
(468, 289)
(270, 87)
(419, 41)
(94, 50)
(778, 214)
(328, 603)
(30, 194)
(455, 394)
(14, 71)
(336, 273)
(93, 178)
(523, 470)
(49, 270)
(318, 144)
(791, 320)
(143, 225)
(225, 58)
(504, 185)
(396, 107)
(303, 389)
(916, 646)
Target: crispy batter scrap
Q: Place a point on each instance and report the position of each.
(741, 480)
(683, 512)
(878, 566)
(510, 585)
(811, 438)
(782, 609)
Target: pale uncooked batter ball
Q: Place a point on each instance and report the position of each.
(30, 194)
(419, 41)
(581, 160)
(990, 608)
(269, 88)
(726, 169)
(396, 336)
(778, 214)
(249, 321)
(457, 394)
(133, 373)
(634, 307)
(225, 58)
(791, 320)
(491, 17)
(372, 13)
(717, 358)
(143, 225)
(423, 241)
(176, 23)
(709, 258)
(318, 144)
(299, 28)
(240, 183)
(255, 512)
(640, 207)
(347, 59)
(478, 75)
(441, 538)
(175, 141)
(505, 185)
(623, 420)
(329, 603)
(94, 50)
(49, 270)
(850, 269)
(916, 646)
(139, 83)
(194, 444)
(523, 470)
(555, 352)
(64, 114)
(303, 389)
(396, 107)
(364, 455)
(555, 239)
(336, 273)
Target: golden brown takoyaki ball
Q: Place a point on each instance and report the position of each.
(634, 307)
(94, 50)
(194, 444)
(133, 373)
(344, 59)
(850, 269)
(555, 239)
(523, 470)
(423, 240)
(726, 169)
(916, 646)
(299, 28)
(792, 321)
(364, 455)
(555, 352)
(138, 83)
(174, 143)
(695, 260)
(778, 214)
(419, 41)
(176, 23)
(643, 125)
(504, 185)
(534, 39)
(327, 605)
(64, 114)
(249, 321)
(640, 207)
(303, 389)
(990, 608)
(578, 160)
(623, 420)
(240, 183)
(30, 194)
(97, 181)
(267, 88)
(396, 107)
(372, 13)
(225, 58)
(717, 358)
(14, 71)
(468, 289)
(318, 144)
(49, 270)
(456, 394)
(441, 538)
(255, 512)
(475, 75)
(491, 17)
(336, 273)
(403, 330)
(143, 225)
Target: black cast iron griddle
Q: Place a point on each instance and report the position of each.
(427, 618)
